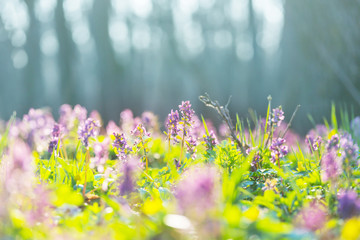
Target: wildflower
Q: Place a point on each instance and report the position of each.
(255, 162)
(186, 111)
(349, 204)
(190, 145)
(172, 124)
(210, 141)
(40, 205)
(36, 128)
(348, 149)
(127, 180)
(224, 130)
(121, 145)
(18, 165)
(313, 143)
(89, 128)
(278, 150)
(96, 116)
(126, 120)
(66, 119)
(55, 134)
(80, 113)
(111, 128)
(270, 185)
(150, 120)
(277, 116)
(312, 217)
(140, 131)
(101, 155)
(197, 192)
(333, 143)
(331, 166)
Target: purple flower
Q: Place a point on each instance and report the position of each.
(349, 204)
(101, 155)
(186, 111)
(66, 119)
(89, 128)
(210, 140)
(150, 120)
(36, 128)
(190, 145)
(127, 180)
(331, 166)
(278, 150)
(121, 146)
(333, 143)
(224, 130)
(19, 174)
(348, 149)
(313, 143)
(196, 191)
(312, 217)
(80, 113)
(172, 124)
(127, 120)
(111, 128)
(40, 206)
(277, 116)
(140, 131)
(55, 134)
(255, 162)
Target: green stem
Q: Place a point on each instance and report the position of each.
(146, 159)
(87, 157)
(182, 143)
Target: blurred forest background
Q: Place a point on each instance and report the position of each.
(151, 54)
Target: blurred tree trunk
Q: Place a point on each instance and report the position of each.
(109, 69)
(33, 78)
(256, 83)
(66, 56)
(317, 68)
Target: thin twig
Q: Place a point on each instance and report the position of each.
(291, 119)
(224, 113)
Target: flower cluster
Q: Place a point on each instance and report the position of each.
(278, 149)
(314, 143)
(121, 145)
(312, 217)
(331, 166)
(196, 192)
(191, 143)
(186, 111)
(140, 131)
(270, 184)
(69, 118)
(277, 116)
(89, 128)
(349, 204)
(210, 141)
(101, 155)
(127, 180)
(349, 149)
(172, 124)
(36, 128)
(55, 135)
(333, 142)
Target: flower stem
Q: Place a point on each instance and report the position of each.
(182, 143)
(87, 157)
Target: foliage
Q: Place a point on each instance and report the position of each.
(133, 182)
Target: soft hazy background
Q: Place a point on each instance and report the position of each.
(151, 54)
